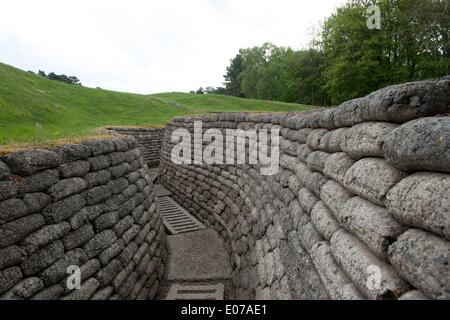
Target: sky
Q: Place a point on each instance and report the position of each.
(148, 46)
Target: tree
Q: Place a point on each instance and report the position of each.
(274, 75)
(411, 45)
(308, 82)
(212, 90)
(232, 77)
(209, 90)
(74, 80)
(63, 78)
(254, 60)
(349, 60)
(283, 74)
(443, 23)
(352, 53)
(52, 76)
(220, 90)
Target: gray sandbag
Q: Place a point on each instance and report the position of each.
(405, 102)
(366, 139)
(359, 262)
(422, 258)
(422, 200)
(372, 178)
(420, 145)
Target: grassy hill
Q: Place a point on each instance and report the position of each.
(33, 109)
(214, 102)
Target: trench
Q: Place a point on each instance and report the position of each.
(346, 207)
(358, 196)
(198, 267)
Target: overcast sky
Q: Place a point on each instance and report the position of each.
(147, 46)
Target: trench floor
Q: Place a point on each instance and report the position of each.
(197, 258)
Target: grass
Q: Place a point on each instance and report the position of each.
(34, 110)
(14, 147)
(220, 103)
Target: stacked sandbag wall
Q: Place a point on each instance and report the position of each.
(149, 142)
(360, 208)
(84, 210)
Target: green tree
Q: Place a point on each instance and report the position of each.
(352, 53)
(232, 77)
(212, 90)
(308, 85)
(350, 60)
(254, 60)
(200, 91)
(411, 45)
(276, 73)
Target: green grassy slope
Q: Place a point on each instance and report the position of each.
(220, 103)
(33, 109)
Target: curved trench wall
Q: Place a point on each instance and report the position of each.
(88, 205)
(149, 141)
(359, 208)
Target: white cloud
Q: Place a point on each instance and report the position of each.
(148, 46)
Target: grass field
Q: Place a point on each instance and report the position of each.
(34, 109)
(213, 102)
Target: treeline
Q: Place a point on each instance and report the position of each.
(349, 59)
(60, 77)
(209, 90)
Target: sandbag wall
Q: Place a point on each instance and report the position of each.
(359, 208)
(87, 205)
(149, 141)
